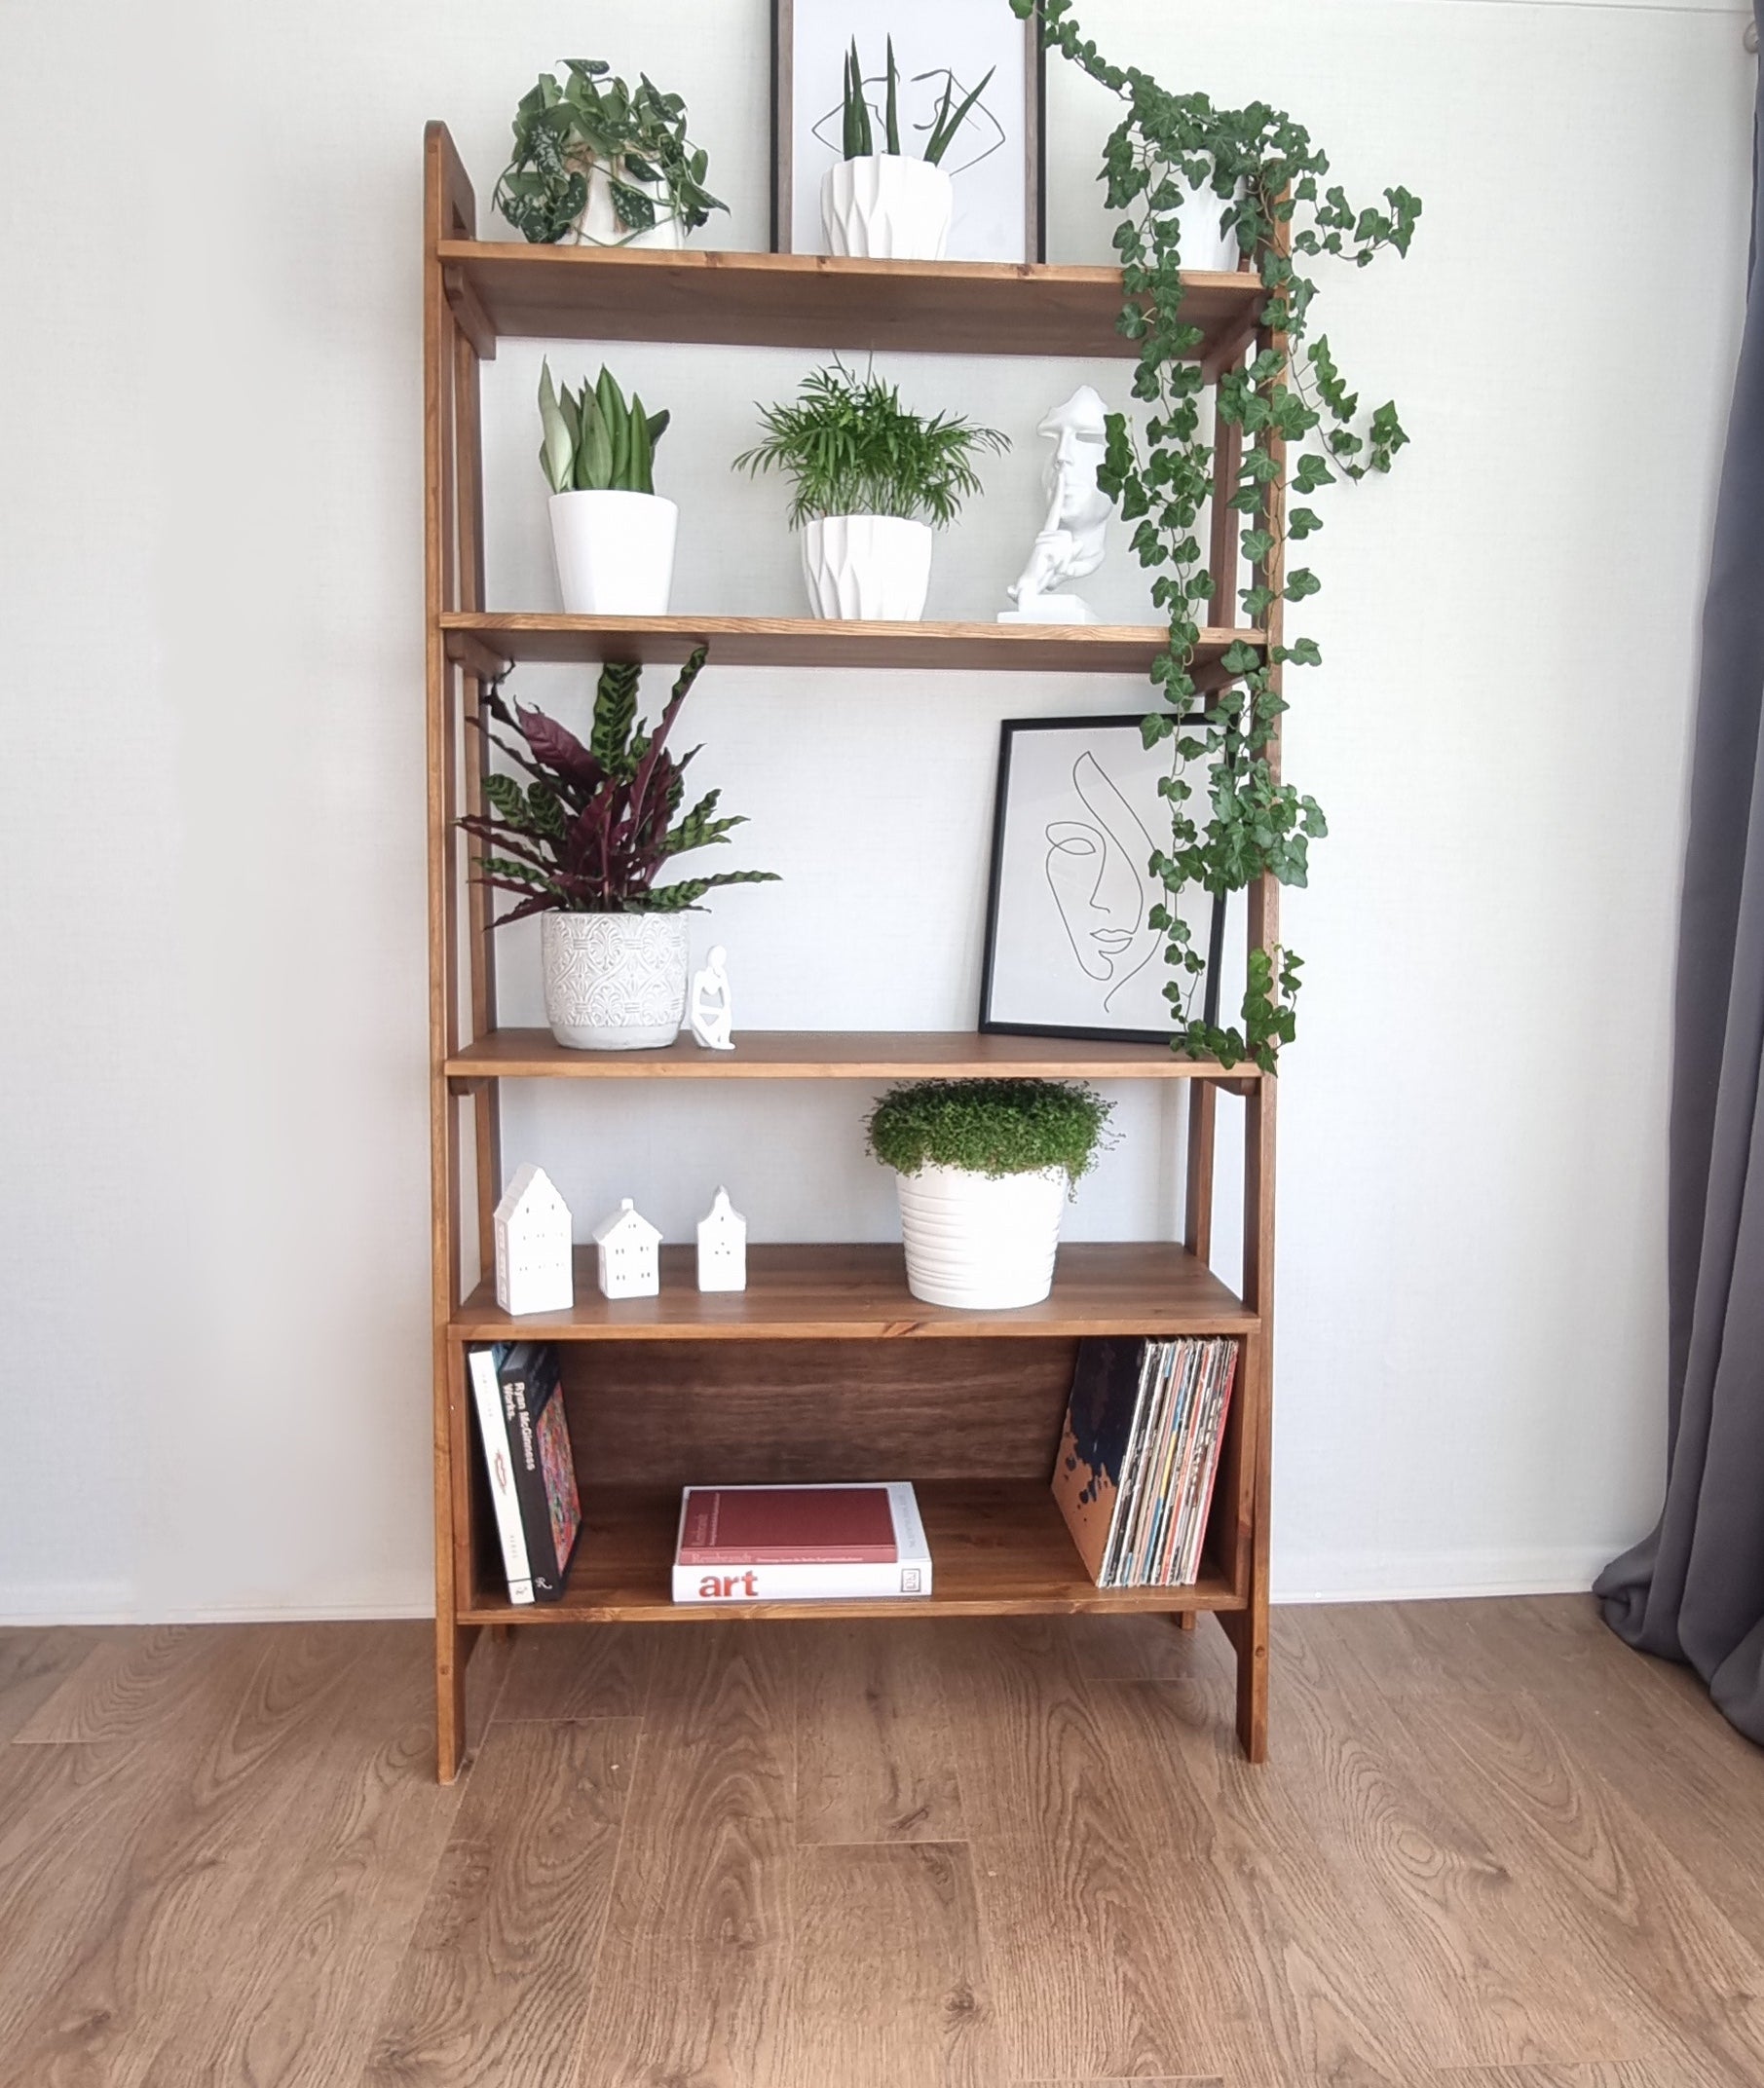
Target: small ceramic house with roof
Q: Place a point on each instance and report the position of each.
(722, 1247)
(628, 1246)
(531, 1224)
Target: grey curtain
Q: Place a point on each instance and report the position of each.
(1694, 1590)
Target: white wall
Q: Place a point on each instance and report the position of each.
(214, 1156)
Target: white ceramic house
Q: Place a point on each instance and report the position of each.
(722, 1247)
(628, 1246)
(533, 1270)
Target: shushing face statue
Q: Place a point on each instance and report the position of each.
(1071, 542)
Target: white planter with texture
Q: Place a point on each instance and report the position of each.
(984, 1242)
(599, 223)
(874, 568)
(614, 552)
(614, 982)
(886, 207)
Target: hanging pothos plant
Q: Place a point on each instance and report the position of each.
(1267, 174)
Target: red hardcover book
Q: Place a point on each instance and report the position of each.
(787, 1526)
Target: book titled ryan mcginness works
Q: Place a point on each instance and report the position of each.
(800, 1544)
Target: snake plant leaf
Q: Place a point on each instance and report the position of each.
(557, 449)
(944, 129)
(594, 452)
(641, 477)
(658, 425)
(893, 115)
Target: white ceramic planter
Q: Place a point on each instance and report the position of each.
(614, 552)
(874, 567)
(1204, 245)
(599, 225)
(978, 1243)
(614, 982)
(886, 207)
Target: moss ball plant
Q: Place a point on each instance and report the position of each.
(990, 1127)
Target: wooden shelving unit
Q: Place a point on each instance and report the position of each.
(825, 1366)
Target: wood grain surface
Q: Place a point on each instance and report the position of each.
(1491, 1848)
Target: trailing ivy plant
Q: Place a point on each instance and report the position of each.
(1303, 428)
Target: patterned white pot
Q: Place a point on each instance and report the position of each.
(877, 568)
(614, 982)
(614, 552)
(982, 1244)
(886, 207)
(599, 226)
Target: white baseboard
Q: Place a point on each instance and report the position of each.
(1423, 1577)
(98, 1603)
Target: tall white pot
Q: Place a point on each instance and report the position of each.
(975, 1242)
(614, 982)
(599, 225)
(614, 552)
(886, 207)
(877, 568)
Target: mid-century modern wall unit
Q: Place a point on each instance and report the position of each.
(824, 1367)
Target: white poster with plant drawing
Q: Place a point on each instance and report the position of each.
(993, 158)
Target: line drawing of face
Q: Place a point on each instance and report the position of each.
(1100, 893)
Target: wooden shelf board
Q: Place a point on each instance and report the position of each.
(838, 1055)
(998, 1548)
(818, 302)
(859, 1293)
(519, 635)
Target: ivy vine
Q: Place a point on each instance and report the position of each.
(1270, 179)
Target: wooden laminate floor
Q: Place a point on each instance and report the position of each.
(1492, 1849)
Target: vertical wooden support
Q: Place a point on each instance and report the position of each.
(448, 211)
(1249, 1627)
(481, 942)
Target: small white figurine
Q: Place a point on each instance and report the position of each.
(722, 1247)
(710, 1010)
(627, 1243)
(531, 1226)
(1071, 542)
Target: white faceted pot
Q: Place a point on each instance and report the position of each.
(877, 568)
(614, 552)
(886, 207)
(984, 1243)
(614, 982)
(599, 225)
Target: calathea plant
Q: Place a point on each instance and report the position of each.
(593, 443)
(1268, 177)
(591, 828)
(566, 131)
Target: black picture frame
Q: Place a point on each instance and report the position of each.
(1102, 1033)
(783, 112)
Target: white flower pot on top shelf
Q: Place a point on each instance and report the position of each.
(599, 223)
(886, 207)
(614, 982)
(975, 1241)
(874, 568)
(614, 552)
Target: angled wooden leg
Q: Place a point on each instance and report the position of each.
(1248, 1632)
(1185, 1620)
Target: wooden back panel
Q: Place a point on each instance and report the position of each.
(680, 1413)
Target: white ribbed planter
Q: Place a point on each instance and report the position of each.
(614, 552)
(980, 1242)
(599, 226)
(874, 568)
(886, 207)
(614, 982)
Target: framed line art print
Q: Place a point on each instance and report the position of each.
(1069, 949)
(997, 159)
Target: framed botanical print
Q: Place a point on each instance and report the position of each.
(996, 161)
(1070, 951)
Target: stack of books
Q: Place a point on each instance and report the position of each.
(800, 1544)
(1140, 1453)
(520, 1416)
